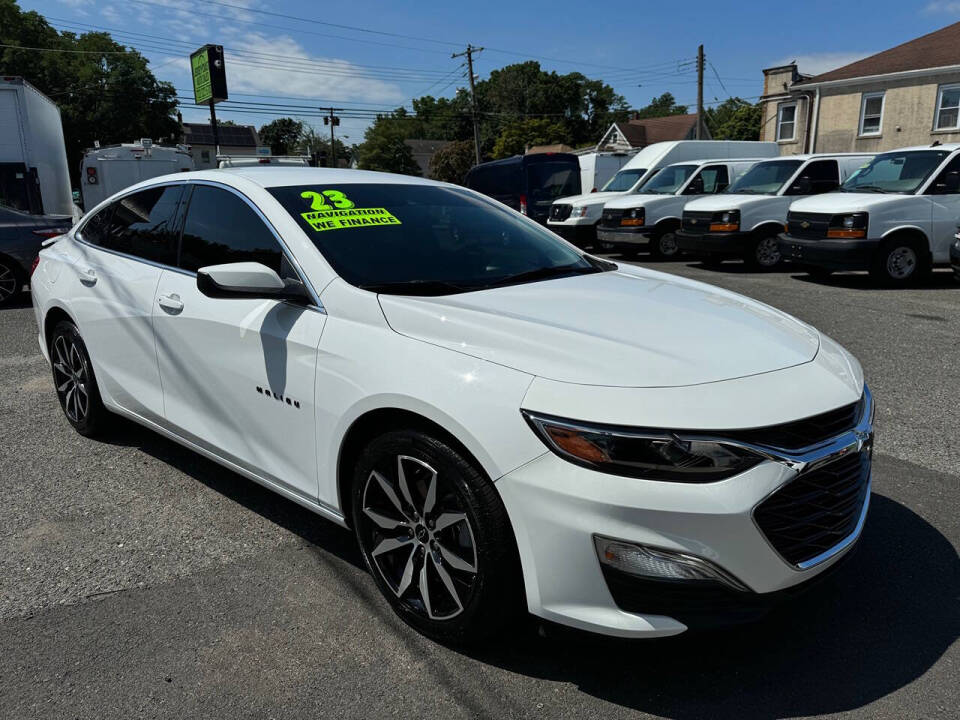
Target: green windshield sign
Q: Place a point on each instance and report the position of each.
(200, 65)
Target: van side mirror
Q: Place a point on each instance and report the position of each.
(949, 184)
(249, 280)
(803, 186)
(695, 187)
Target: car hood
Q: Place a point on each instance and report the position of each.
(843, 202)
(597, 198)
(630, 328)
(634, 200)
(723, 201)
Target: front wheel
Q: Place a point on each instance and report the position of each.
(665, 245)
(435, 536)
(899, 263)
(763, 254)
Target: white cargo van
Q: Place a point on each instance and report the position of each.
(233, 161)
(109, 169)
(575, 217)
(896, 217)
(745, 220)
(596, 168)
(650, 219)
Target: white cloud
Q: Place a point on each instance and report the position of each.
(816, 63)
(943, 6)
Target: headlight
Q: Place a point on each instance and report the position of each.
(635, 452)
(727, 221)
(579, 212)
(853, 225)
(632, 217)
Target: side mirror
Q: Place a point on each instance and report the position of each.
(949, 184)
(802, 186)
(695, 187)
(248, 280)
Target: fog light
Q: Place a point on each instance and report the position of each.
(659, 564)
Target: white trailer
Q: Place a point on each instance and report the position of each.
(109, 169)
(34, 176)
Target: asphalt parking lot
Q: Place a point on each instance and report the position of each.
(140, 580)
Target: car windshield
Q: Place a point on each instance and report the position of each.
(669, 180)
(623, 180)
(765, 178)
(895, 172)
(427, 240)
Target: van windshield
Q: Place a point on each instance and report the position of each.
(765, 178)
(669, 180)
(427, 240)
(895, 172)
(624, 180)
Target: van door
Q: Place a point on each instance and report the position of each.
(944, 196)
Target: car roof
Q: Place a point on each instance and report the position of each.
(268, 176)
(949, 147)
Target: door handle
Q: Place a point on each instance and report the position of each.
(171, 302)
(88, 276)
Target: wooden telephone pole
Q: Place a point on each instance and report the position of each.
(473, 95)
(700, 93)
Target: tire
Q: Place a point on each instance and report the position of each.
(900, 262)
(11, 281)
(461, 550)
(665, 245)
(75, 382)
(763, 253)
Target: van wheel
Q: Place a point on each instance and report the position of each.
(75, 382)
(900, 262)
(435, 536)
(665, 245)
(763, 253)
(11, 281)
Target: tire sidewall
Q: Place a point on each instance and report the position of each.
(881, 272)
(93, 421)
(481, 608)
(18, 276)
(656, 248)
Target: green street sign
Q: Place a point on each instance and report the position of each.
(209, 75)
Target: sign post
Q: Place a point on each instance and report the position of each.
(209, 82)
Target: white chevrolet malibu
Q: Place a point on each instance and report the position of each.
(501, 419)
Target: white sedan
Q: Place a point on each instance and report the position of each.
(504, 421)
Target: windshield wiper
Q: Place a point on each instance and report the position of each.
(867, 188)
(546, 273)
(415, 287)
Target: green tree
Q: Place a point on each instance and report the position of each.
(313, 141)
(517, 136)
(105, 92)
(282, 135)
(384, 149)
(661, 107)
(451, 163)
(735, 119)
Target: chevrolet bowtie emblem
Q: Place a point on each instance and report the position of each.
(804, 224)
(693, 222)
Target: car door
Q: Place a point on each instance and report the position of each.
(944, 196)
(120, 257)
(238, 375)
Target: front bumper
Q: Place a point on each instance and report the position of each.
(634, 236)
(556, 508)
(830, 254)
(729, 244)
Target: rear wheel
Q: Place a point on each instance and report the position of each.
(11, 281)
(75, 382)
(665, 245)
(763, 253)
(900, 262)
(435, 536)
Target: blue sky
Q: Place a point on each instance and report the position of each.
(378, 55)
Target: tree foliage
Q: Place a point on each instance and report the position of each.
(384, 149)
(662, 106)
(517, 105)
(735, 119)
(105, 93)
(282, 135)
(451, 163)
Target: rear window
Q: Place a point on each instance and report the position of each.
(552, 180)
(383, 235)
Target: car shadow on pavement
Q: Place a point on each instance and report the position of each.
(19, 302)
(869, 630)
(936, 280)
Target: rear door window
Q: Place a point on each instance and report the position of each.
(715, 179)
(143, 224)
(94, 230)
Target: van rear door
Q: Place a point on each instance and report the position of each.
(549, 178)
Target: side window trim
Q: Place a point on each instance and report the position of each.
(291, 259)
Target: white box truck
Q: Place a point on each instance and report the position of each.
(575, 217)
(111, 168)
(35, 198)
(596, 168)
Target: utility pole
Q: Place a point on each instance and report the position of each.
(700, 93)
(473, 95)
(332, 120)
(216, 131)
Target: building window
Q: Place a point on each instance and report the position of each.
(871, 114)
(948, 108)
(787, 122)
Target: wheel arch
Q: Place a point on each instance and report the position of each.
(667, 224)
(913, 232)
(53, 315)
(767, 226)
